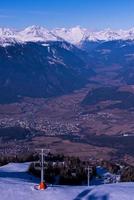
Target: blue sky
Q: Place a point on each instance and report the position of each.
(92, 14)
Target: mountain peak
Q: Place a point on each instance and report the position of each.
(37, 33)
(35, 29)
(73, 35)
(6, 32)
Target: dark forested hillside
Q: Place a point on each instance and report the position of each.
(37, 70)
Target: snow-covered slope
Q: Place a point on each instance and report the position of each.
(77, 34)
(73, 35)
(15, 167)
(37, 33)
(7, 37)
(17, 184)
(108, 35)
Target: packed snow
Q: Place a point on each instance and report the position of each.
(73, 35)
(17, 184)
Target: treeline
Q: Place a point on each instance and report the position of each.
(127, 174)
(20, 158)
(111, 167)
(125, 171)
(60, 169)
(64, 170)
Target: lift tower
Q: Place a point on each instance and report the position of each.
(43, 153)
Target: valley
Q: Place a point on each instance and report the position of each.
(66, 100)
(76, 98)
(66, 126)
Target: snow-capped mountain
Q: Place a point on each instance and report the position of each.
(37, 33)
(6, 32)
(109, 35)
(75, 35)
(29, 34)
(105, 35)
(7, 37)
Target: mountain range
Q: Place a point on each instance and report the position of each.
(75, 35)
(69, 82)
(38, 62)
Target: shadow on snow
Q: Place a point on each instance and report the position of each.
(85, 193)
(82, 194)
(25, 176)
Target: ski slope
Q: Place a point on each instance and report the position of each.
(17, 184)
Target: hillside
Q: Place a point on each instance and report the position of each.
(120, 99)
(36, 70)
(17, 184)
(44, 79)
